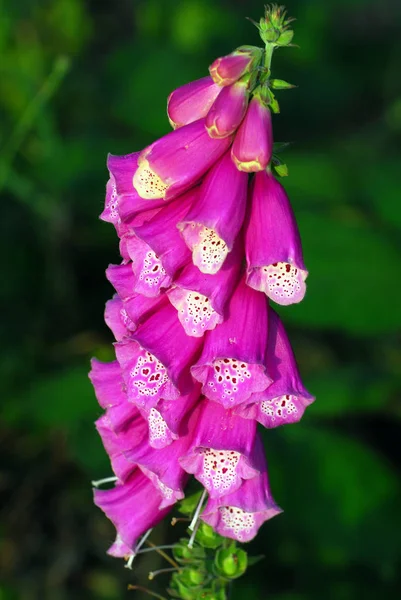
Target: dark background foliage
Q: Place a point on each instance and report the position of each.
(79, 78)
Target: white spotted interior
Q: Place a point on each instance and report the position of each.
(196, 314)
(147, 183)
(158, 429)
(280, 407)
(152, 271)
(229, 374)
(148, 375)
(237, 520)
(166, 492)
(219, 469)
(210, 252)
(113, 204)
(284, 282)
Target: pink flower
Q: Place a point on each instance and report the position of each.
(227, 110)
(191, 101)
(239, 514)
(228, 69)
(272, 243)
(285, 400)
(216, 216)
(253, 145)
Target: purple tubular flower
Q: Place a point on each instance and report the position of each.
(157, 249)
(215, 218)
(272, 243)
(227, 110)
(221, 454)
(228, 69)
(117, 318)
(191, 101)
(239, 515)
(200, 298)
(174, 163)
(253, 144)
(155, 361)
(107, 382)
(133, 508)
(285, 400)
(232, 365)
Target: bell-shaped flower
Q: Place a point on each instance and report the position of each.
(228, 69)
(157, 249)
(200, 298)
(133, 508)
(227, 110)
(216, 217)
(176, 162)
(285, 400)
(239, 514)
(232, 364)
(191, 101)
(272, 243)
(253, 144)
(221, 454)
(155, 361)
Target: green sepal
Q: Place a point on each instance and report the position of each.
(184, 554)
(285, 38)
(188, 505)
(192, 578)
(207, 537)
(231, 562)
(280, 168)
(180, 590)
(280, 84)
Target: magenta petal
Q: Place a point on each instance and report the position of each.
(107, 381)
(272, 243)
(215, 219)
(174, 411)
(137, 306)
(228, 110)
(200, 298)
(131, 434)
(156, 362)
(110, 212)
(232, 364)
(176, 162)
(133, 508)
(149, 274)
(116, 317)
(253, 144)
(130, 203)
(191, 101)
(221, 454)
(239, 515)
(285, 400)
(162, 467)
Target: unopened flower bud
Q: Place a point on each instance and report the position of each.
(228, 69)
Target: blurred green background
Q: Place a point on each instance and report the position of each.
(80, 78)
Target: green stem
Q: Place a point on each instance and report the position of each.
(268, 57)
